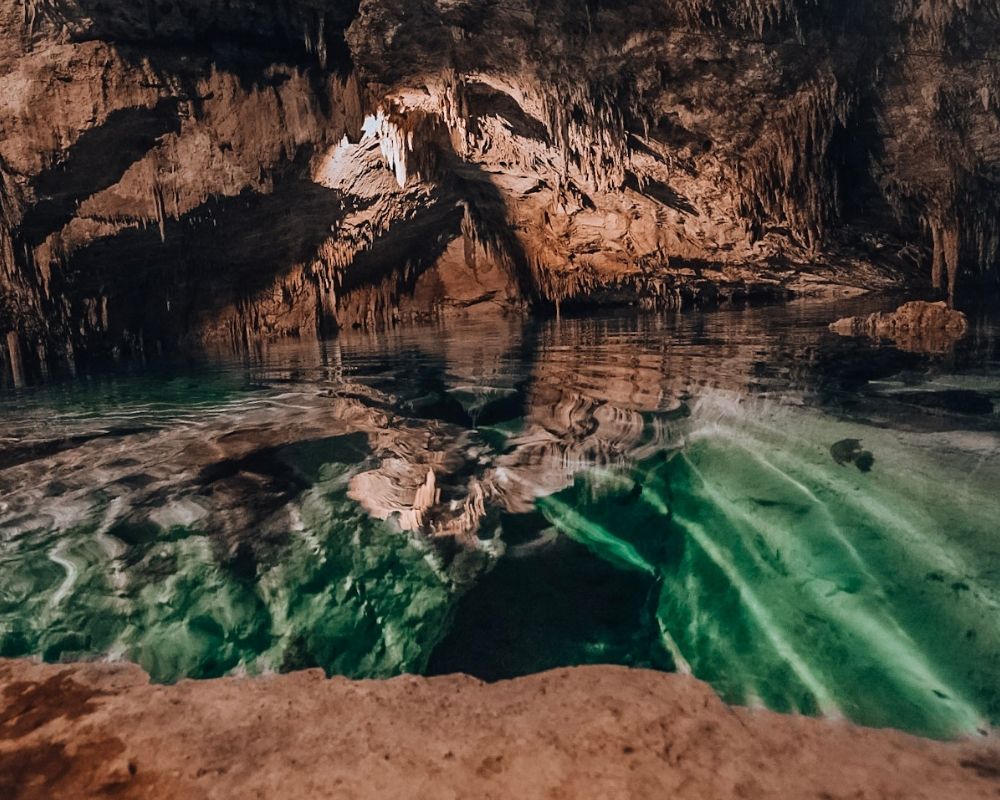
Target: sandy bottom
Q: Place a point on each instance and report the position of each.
(97, 730)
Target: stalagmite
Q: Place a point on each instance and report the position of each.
(16, 361)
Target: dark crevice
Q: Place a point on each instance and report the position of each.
(97, 160)
(550, 603)
(223, 251)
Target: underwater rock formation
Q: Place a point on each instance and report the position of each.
(192, 171)
(504, 498)
(918, 327)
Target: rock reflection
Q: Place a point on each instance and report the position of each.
(410, 501)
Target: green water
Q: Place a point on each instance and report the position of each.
(644, 490)
(345, 593)
(805, 588)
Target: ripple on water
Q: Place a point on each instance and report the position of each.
(500, 498)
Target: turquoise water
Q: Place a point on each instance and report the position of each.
(505, 496)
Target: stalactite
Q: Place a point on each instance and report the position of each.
(940, 22)
(786, 178)
(487, 229)
(159, 212)
(455, 113)
(587, 124)
(56, 15)
(410, 143)
(752, 15)
(15, 358)
(588, 159)
(10, 216)
(963, 243)
(946, 242)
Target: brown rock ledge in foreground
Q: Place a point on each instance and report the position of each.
(918, 327)
(95, 730)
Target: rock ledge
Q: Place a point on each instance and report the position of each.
(601, 732)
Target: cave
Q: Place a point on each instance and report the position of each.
(499, 398)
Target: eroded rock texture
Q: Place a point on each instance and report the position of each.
(102, 729)
(195, 170)
(918, 327)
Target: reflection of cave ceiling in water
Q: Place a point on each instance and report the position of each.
(642, 490)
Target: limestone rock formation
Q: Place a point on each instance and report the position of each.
(598, 732)
(204, 171)
(918, 327)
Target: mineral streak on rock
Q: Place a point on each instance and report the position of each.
(192, 171)
(917, 327)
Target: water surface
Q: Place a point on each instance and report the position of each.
(504, 496)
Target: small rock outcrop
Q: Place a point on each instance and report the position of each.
(917, 327)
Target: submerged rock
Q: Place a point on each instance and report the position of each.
(849, 451)
(865, 461)
(953, 401)
(845, 451)
(918, 327)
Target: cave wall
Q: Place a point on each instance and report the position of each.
(179, 171)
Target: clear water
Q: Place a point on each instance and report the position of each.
(650, 490)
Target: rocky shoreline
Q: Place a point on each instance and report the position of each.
(100, 729)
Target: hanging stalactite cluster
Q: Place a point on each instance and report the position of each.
(786, 178)
(332, 163)
(757, 16)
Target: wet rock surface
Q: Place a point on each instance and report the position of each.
(192, 171)
(68, 731)
(918, 327)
